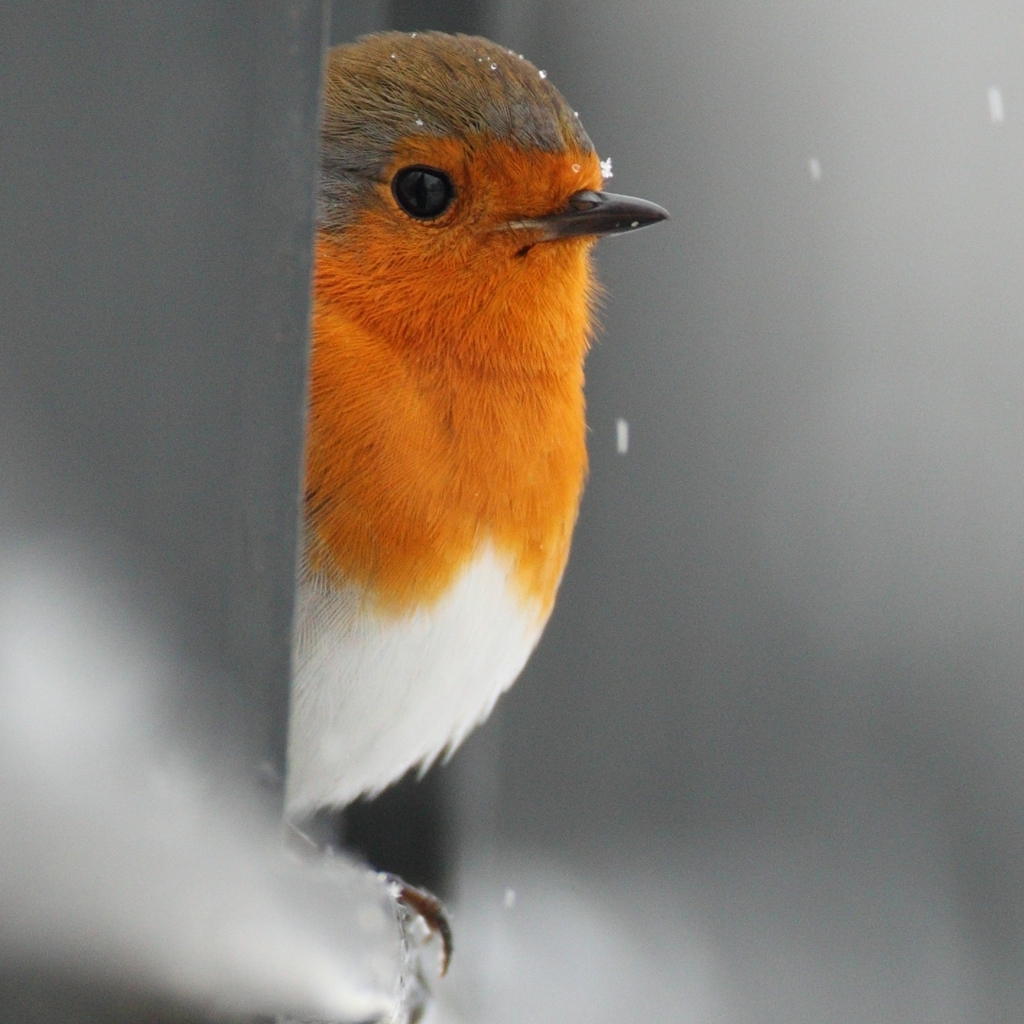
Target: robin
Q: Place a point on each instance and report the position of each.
(459, 199)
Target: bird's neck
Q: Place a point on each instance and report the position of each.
(478, 313)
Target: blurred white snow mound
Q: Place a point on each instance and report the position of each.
(119, 857)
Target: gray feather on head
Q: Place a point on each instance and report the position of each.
(384, 88)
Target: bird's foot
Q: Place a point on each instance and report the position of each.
(420, 905)
(421, 917)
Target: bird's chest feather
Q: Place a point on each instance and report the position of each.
(376, 693)
(410, 468)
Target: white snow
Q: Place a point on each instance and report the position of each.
(621, 436)
(995, 105)
(127, 856)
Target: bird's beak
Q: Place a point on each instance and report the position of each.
(595, 213)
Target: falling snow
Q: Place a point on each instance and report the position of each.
(814, 166)
(606, 168)
(543, 74)
(510, 898)
(621, 436)
(995, 105)
(419, 121)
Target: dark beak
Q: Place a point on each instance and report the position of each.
(596, 213)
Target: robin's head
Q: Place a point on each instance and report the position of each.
(458, 189)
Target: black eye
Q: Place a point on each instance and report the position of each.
(423, 192)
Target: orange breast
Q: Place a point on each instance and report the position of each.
(445, 411)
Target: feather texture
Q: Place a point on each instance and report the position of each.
(377, 694)
(446, 446)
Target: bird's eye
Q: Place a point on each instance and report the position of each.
(423, 192)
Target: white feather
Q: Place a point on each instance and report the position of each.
(374, 694)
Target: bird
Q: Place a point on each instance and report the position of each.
(453, 304)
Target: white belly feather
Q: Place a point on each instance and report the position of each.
(374, 694)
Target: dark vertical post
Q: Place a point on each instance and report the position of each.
(156, 195)
(272, 389)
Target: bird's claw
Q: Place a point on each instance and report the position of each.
(429, 909)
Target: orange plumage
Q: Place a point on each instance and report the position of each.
(446, 454)
(447, 376)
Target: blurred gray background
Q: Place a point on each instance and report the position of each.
(784, 682)
(767, 763)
